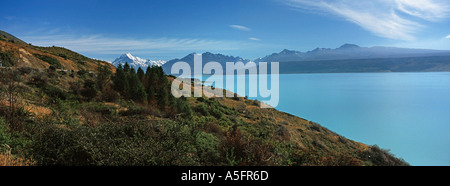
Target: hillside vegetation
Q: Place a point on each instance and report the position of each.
(58, 107)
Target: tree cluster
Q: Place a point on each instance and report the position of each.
(151, 87)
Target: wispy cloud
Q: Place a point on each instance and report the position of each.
(110, 45)
(447, 37)
(394, 19)
(254, 39)
(432, 10)
(240, 27)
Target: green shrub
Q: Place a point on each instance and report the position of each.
(147, 143)
(13, 140)
(207, 148)
(89, 90)
(8, 60)
(216, 112)
(50, 60)
(381, 157)
(5, 136)
(54, 92)
(100, 108)
(202, 109)
(56, 145)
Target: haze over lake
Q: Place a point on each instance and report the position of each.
(408, 113)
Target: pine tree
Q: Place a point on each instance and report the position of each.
(126, 68)
(146, 78)
(138, 93)
(120, 81)
(152, 79)
(136, 90)
(103, 76)
(163, 98)
(151, 95)
(184, 108)
(141, 75)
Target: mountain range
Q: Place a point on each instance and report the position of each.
(350, 51)
(346, 58)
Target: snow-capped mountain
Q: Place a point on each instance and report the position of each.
(136, 62)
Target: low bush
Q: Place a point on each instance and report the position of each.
(54, 92)
(207, 148)
(140, 143)
(50, 60)
(202, 109)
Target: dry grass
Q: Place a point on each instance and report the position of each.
(7, 159)
(38, 111)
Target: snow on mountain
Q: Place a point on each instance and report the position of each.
(136, 62)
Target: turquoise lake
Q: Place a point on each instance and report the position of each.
(408, 113)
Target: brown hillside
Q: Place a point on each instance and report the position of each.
(26, 55)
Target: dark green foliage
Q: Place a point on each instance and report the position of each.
(136, 90)
(50, 60)
(212, 107)
(11, 140)
(382, 157)
(60, 146)
(119, 80)
(151, 95)
(135, 111)
(202, 109)
(105, 110)
(151, 87)
(126, 68)
(54, 92)
(216, 112)
(207, 148)
(142, 144)
(89, 90)
(7, 59)
(201, 99)
(163, 98)
(127, 83)
(141, 75)
(184, 107)
(103, 76)
(63, 56)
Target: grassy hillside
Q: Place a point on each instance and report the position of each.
(15, 52)
(60, 108)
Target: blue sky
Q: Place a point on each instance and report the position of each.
(168, 29)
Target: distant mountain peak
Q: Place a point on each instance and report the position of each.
(206, 57)
(136, 62)
(286, 51)
(349, 46)
(128, 54)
